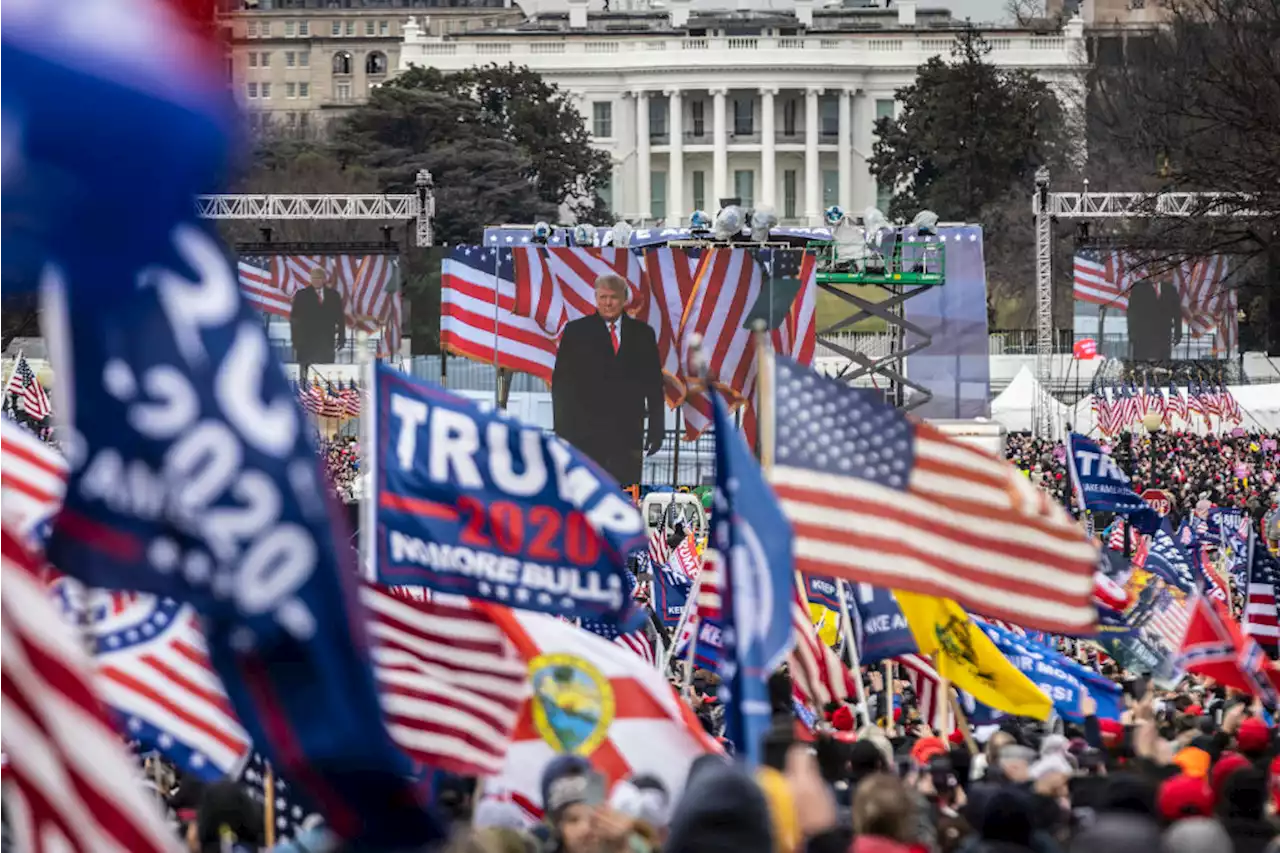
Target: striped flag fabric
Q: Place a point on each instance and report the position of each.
(1101, 278)
(33, 479)
(669, 277)
(876, 498)
(450, 683)
(658, 548)
(478, 318)
(557, 285)
(636, 641)
(258, 284)
(935, 707)
(1214, 646)
(1208, 302)
(820, 677)
(26, 389)
(1262, 601)
(70, 784)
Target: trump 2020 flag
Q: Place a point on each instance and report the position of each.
(1100, 486)
(479, 504)
(753, 541)
(881, 630)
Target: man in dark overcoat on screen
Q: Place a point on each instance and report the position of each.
(607, 381)
(317, 323)
(1154, 318)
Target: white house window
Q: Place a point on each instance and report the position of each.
(291, 90)
(602, 119)
(251, 91)
(304, 28)
(253, 59)
(290, 29)
(342, 91)
(304, 59)
(337, 28)
(351, 28)
(264, 59)
(370, 27)
(290, 59)
(304, 90)
(375, 63)
(266, 90)
(384, 28)
(342, 62)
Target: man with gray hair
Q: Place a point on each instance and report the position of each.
(607, 380)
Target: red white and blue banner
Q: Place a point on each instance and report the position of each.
(478, 504)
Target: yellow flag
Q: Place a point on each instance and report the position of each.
(965, 656)
(825, 622)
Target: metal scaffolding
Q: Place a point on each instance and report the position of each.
(420, 207)
(1048, 206)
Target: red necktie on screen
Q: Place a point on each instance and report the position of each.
(613, 333)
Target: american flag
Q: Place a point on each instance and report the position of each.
(368, 284)
(1167, 559)
(33, 479)
(1101, 278)
(1169, 620)
(658, 548)
(557, 285)
(27, 390)
(877, 498)
(637, 641)
(1262, 601)
(70, 784)
(819, 676)
(472, 325)
(669, 277)
(935, 707)
(1177, 405)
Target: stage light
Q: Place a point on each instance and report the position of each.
(926, 222)
(541, 232)
(700, 221)
(584, 234)
(728, 223)
(763, 220)
(621, 234)
(834, 215)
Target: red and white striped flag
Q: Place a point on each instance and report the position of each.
(30, 394)
(816, 671)
(70, 785)
(33, 479)
(1208, 302)
(935, 708)
(659, 551)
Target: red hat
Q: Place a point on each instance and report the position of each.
(842, 719)
(956, 737)
(1112, 732)
(926, 748)
(1253, 736)
(1275, 781)
(1229, 763)
(1183, 796)
(1194, 711)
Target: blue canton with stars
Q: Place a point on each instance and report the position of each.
(826, 426)
(291, 805)
(482, 260)
(1168, 561)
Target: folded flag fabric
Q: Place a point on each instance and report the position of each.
(69, 783)
(1099, 485)
(967, 657)
(592, 698)
(878, 498)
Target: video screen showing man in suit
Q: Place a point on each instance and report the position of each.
(1154, 319)
(607, 382)
(317, 322)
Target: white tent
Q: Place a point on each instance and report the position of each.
(1018, 405)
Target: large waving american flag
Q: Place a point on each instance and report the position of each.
(877, 498)
(28, 391)
(70, 785)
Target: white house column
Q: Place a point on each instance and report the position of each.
(844, 151)
(720, 154)
(643, 168)
(768, 171)
(675, 171)
(812, 172)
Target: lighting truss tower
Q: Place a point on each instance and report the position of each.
(1050, 206)
(419, 206)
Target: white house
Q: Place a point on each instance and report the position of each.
(772, 107)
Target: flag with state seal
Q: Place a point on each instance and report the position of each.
(592, 698)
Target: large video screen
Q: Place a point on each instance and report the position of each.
(314, 302)
(611, 331)
(1152, 309)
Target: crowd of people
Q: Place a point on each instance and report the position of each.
(1237, 470)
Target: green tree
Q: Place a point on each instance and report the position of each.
(539, 119)
(966, 144)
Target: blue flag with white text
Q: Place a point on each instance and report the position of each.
(479, 504)
(752, 540)
(881, 630)
(1100, 486)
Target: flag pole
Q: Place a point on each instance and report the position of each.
(846, 628)
(269, 812)
(367, 434)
